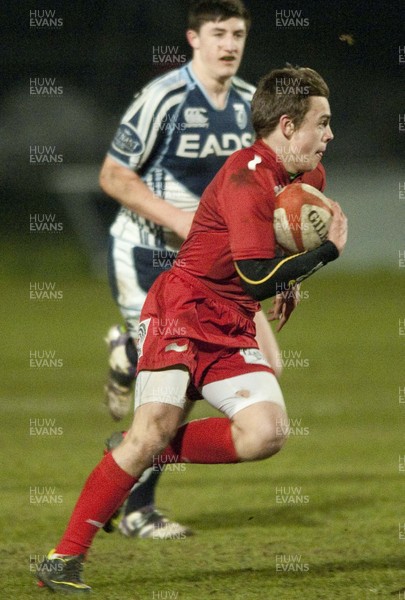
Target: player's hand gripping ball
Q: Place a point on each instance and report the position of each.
(301, 218)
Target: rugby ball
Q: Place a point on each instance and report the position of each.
(302, 217)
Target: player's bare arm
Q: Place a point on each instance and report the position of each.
(125, 186)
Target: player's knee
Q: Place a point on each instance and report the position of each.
(277, 436)
(262, 434)
(153, 439)
(153, 428)
(157, 432)
(267, 440)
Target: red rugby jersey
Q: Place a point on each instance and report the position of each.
(234, 220)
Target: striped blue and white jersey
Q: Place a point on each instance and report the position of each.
(177, 140)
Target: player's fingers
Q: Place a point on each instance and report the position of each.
(285, 314)
(338, 211)
(282, 321)
(335, 207)
(296, 296)
(274, 316)
(274, 312)
(279, 326)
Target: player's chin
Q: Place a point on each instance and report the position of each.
(310, 163)
(229, 67)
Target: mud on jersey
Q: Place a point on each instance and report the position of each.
(177, 141)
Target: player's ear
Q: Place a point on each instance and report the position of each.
(287, 126)
(193, 38)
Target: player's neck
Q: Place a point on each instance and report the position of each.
(283, 150)
(217, 89)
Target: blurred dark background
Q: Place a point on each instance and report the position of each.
(100, 53)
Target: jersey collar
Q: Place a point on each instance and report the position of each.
(202, 89)
(272, 160)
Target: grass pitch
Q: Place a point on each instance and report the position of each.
(323, 519)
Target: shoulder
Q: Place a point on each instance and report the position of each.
(161, 93)
(249, 158)
(240, 158)
(243, 88)
(246, 167)
(173, 80)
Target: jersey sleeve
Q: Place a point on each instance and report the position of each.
(247, 202)
(146, 123)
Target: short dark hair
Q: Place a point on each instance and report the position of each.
(285, 92)
(202, 11)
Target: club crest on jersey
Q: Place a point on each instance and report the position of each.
(142, 331)
(196, 117)
(127, 140)
(241, 115)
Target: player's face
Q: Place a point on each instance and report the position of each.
(308, 143)
(219, 45)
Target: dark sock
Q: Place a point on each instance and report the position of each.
(144, 493)
(131, 352)
(126, 379)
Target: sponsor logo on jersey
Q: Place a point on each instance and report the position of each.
(193, 145)
(127, 140)
(196, 117)
(241, 115)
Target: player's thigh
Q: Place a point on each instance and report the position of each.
(124, 282)
(162, 387)
(257, 389)
(254, 403)
(160, 397)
